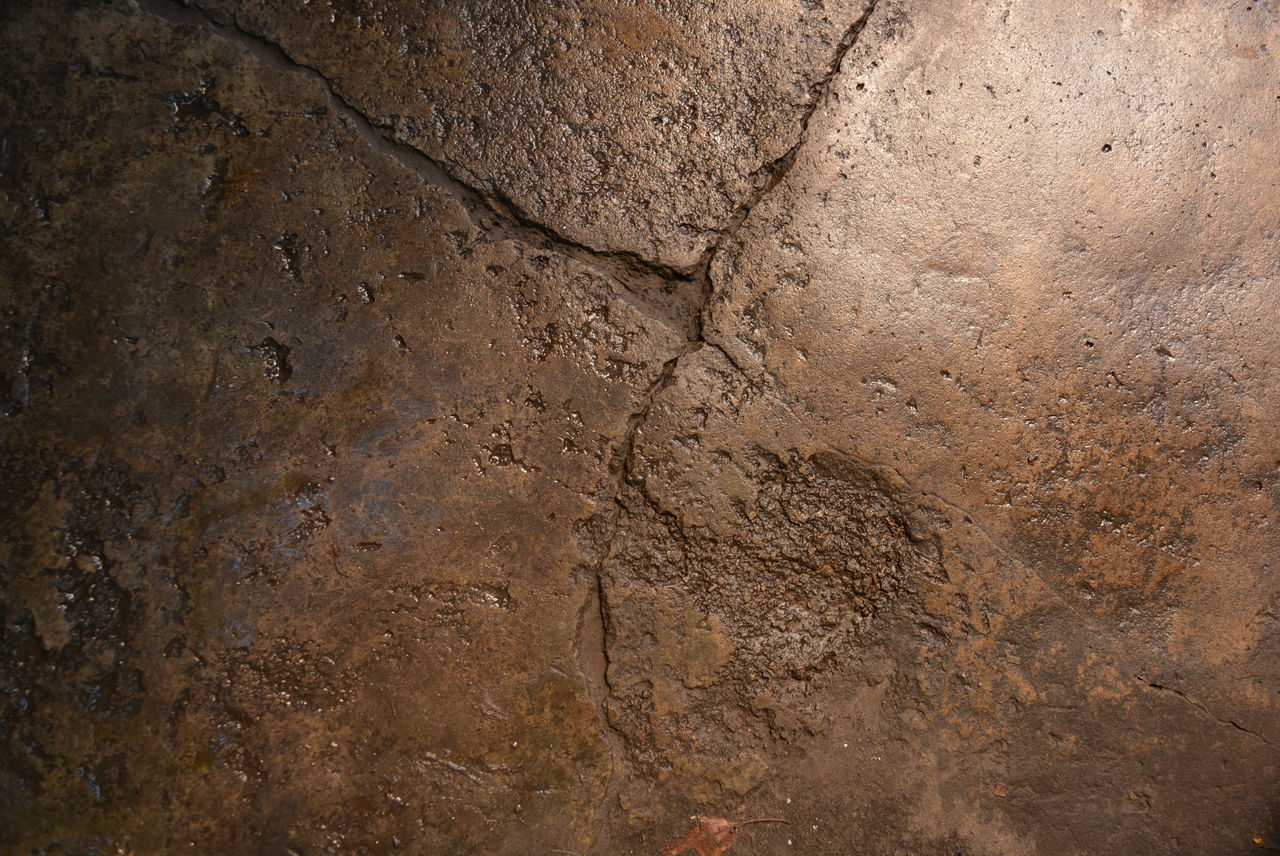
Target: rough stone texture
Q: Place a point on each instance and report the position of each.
(290, 440)
(634, 127)
(502, 428)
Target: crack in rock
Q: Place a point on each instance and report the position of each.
(1191, 700)
(766, 179)
(492, 211)
(496, 214)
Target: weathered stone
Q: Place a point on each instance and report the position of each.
(296, 442)
(636, 127)
(503, 429)
(1027, 261)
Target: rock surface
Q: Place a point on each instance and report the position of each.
(508, 428)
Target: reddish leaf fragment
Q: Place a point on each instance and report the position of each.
(709, 836)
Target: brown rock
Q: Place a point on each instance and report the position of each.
(505, 428)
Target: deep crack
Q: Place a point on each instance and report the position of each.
(497, 214)
(494, 212)
(766, 179)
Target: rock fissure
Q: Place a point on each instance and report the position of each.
(766, 178)
(1191, 700)
(496, 214)
(490, 210)
(531, 422)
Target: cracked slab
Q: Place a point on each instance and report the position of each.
(289, 439)
(510, 428)
(635, 127)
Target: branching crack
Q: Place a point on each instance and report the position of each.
(1191, 700)
(492, 211)
(766, 178)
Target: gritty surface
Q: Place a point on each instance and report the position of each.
(497, 428)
